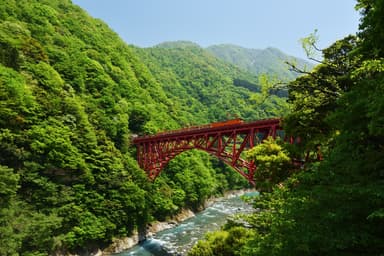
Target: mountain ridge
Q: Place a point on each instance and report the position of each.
(270, 60)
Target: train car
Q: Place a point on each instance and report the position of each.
(227, 122)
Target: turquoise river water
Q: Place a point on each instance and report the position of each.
(179, 239)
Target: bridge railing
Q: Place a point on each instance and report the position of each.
(222, 124)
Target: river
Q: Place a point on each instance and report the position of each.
(179, 239)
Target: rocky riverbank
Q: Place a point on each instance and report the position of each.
(119, 245)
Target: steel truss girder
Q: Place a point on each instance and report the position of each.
(227, 143)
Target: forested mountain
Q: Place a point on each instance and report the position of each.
(72, 95)
(270, 60)
(204, 87)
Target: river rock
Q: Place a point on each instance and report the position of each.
(183, 215)
(119, 245)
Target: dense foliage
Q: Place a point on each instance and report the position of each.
(71, 96)
(272, 161)
(334, 207)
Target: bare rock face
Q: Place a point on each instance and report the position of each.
(121, 244)
(183, 215)
(158, 226)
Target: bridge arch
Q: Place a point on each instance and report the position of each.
(225, 140)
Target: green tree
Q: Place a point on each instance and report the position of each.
(225, 242)
(314, 96)
(272, 163)
(9, 244)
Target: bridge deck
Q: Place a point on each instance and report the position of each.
(222, 127)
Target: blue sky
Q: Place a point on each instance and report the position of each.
(249, 23)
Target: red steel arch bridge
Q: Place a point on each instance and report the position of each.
(226, 140)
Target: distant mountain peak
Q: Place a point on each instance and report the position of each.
(178, 44)
(270, 60)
